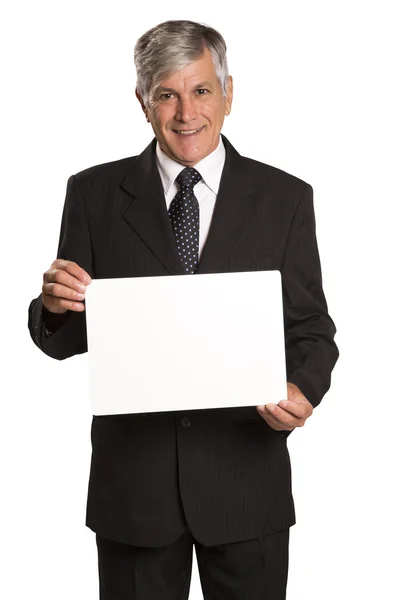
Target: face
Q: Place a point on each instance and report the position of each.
(188, 110)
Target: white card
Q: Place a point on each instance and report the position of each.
(181, 342)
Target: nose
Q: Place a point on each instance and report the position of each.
(186, 109)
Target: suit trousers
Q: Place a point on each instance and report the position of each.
(254, 569)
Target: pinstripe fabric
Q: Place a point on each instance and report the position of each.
(254, 569)
(224, 472)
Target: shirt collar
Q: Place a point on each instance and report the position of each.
(210, 168)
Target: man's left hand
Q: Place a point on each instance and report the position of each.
(287, 414)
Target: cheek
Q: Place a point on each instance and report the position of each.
(161, 118)
(208, 112)
(215, 114)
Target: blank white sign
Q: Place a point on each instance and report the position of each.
(180, 342)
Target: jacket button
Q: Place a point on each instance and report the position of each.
(186, 422)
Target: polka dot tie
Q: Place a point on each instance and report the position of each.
(184, 215)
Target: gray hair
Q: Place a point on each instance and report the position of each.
(172, 45)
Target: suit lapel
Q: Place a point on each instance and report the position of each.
(147, 214)
(234, 212)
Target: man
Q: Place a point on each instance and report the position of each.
(219, 479)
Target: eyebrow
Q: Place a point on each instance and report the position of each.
(203, 84)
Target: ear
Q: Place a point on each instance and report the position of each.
(229, 96)
(139, 97)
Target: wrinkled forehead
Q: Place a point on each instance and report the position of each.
(200, 70)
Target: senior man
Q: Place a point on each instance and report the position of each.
(217, 479)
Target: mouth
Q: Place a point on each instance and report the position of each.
(188, 132)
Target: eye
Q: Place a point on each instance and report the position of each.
(166, 96)
(202, 91)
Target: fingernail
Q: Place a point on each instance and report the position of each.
(271, 407)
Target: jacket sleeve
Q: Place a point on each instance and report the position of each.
(69, 329)
(311, 352)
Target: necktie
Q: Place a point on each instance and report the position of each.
(184, 216)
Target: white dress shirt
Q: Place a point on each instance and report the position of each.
(210, 169)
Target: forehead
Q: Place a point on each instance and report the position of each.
(199, 70)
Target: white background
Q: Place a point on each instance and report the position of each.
(316, 95)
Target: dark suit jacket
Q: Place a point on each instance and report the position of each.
(225, 470)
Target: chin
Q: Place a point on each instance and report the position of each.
(186, 157)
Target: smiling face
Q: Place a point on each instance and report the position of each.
(188, 110)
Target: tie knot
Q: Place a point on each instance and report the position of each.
(188, 177)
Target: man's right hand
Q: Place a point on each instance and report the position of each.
(64, 287)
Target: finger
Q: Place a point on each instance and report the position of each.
(53, 302)
(273, 422)
(73, 269)
(283, 417)
(64, 278)
(62, 291)
(298, 408)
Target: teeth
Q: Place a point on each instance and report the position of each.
(187, 132)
